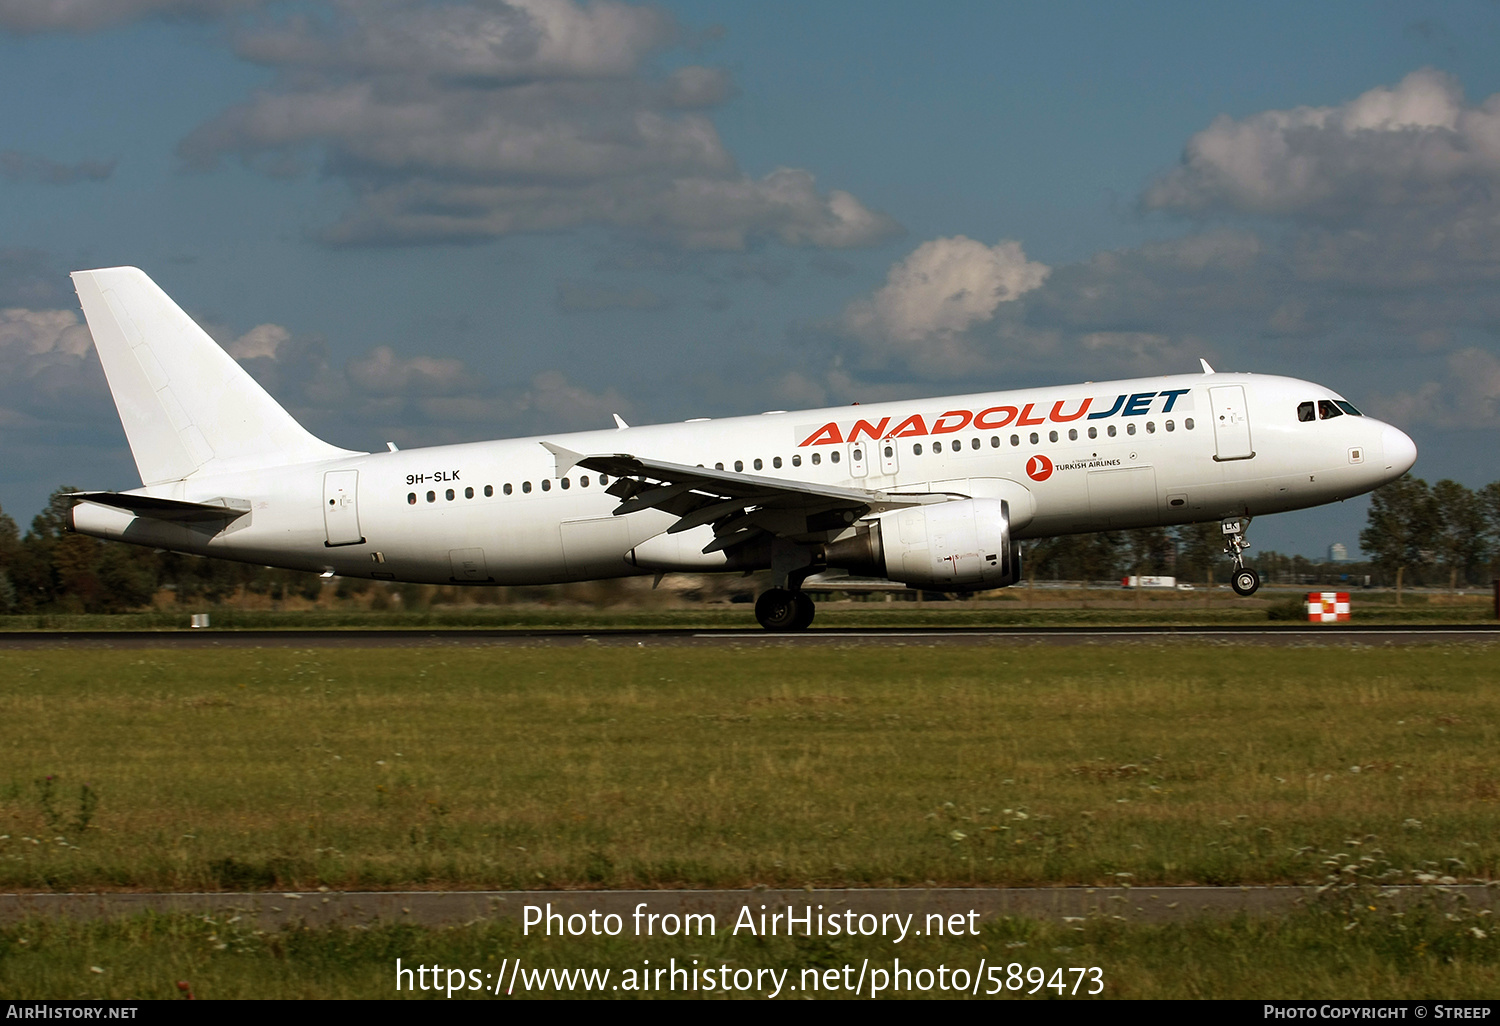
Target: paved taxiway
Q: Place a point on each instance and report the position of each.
(1294, 635)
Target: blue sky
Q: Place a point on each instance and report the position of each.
(432, 222)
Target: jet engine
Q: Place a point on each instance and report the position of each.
(965, 545)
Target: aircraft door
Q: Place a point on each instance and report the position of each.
(889, 461)
(340, 511)
(859, 459)
(1231, 423)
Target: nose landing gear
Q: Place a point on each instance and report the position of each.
(1245, 580)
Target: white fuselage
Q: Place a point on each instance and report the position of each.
(1087, 457)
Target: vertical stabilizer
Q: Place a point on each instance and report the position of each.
(185, 403)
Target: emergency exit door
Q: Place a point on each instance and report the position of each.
(340, 507)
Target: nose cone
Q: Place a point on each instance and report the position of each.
(1400, 451)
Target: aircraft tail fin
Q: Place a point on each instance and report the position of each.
(186, 405)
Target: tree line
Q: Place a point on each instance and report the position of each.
(1444, 534)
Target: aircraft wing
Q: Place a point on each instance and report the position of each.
(739, 506)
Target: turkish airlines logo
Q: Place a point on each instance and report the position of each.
(1039, 468)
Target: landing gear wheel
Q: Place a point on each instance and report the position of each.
(1245, 581)
(779, 610)
(805, 611)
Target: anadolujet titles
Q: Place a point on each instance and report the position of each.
(936, 494)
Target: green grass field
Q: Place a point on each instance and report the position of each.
(625, 767)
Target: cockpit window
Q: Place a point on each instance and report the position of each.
(1305, 412)
(1348, 408)
(1327, 410)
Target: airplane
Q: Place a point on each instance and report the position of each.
(936, 494)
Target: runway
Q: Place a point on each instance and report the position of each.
(1290, 635)
(452, 908)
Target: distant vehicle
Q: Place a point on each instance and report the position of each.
(932, 493)
(1184, 586)
(1148, 582)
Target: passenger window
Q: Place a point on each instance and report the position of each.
(1304, 412)
(583, 482)
(859, 454)
(1327, 410)
(1015, 439)
(526, 487)
(1111, 430)
(834, 456)
(1072, 434)
(994, 441)
(1150, 427)
(1188, 423)
(817, 458)
(937, 446)
(1034, 438)
(546, 484)
(890, 450)
(1130, 428)
(565, 484)
(739, 466)
(1171, 426)
(604, 479)
(797, 460)
(411, 498)
(974, 443)
(776, 462)
(1093, 432)
(916, 450)
(507, 489)
(468, 493)
(432, 496)
(718, 466)
(1052, 436)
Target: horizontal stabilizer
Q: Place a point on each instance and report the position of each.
(167, 509)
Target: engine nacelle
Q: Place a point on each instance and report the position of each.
(952, 546)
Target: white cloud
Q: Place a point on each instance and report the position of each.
(464, 122)
(261, 341)
(26, 334)
(1416, 143)
(946, 286)
(1468, 397)
(933, 298)
(382, 372)
(559, 404)
(51, 375)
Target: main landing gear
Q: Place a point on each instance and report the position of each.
(785, 607)
(1245, 580)
(780, 609)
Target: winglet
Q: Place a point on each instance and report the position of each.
(567, 459)
(1206, 368)
(620, 424)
